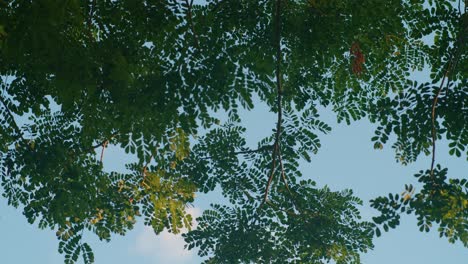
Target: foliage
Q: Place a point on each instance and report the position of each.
(325, 227)
(440, 201)
(147, 76)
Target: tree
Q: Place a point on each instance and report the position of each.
(147, 76)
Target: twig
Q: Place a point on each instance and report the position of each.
(149, 161)
(103, 142)
(190, 21)
(104, 146)
(90, 18)
(452, 62)
(146, 166)
(278, 99)
(249, 196)
(459, 7)
(281, 209)
(434, 104)
(263, 148)
(15, 125)
(272, 170)
(99, 144)
(283, 174)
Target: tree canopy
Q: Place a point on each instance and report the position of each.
(148, 75)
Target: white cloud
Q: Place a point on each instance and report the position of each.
(165, 247)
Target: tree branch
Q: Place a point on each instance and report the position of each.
(283, 174)
(272, 171)
(249, 196)
(104, 146)
(433, 117)
(263, 148)
(103, 142)
(89, 21)
(149, 161)
(146, 166)
(278, 98)
(452, 63)
(190, 21)
(13, 121)
(290, 213)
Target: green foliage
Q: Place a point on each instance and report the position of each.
(441, 201)
(147, 76)
(318, 226)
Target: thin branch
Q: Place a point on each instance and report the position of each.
(149, 161)
(461, 41)
(103, 142)
(249, 196)
(459, 7)
(104, 146)
(278, 99)
(90, 18)
(242, 152)
(452, 63)
(433, 117)
(146, 165)
(99, 144)
(190, 21)
(15, 125)
(281, 209)
(283, 174)
(272, 170)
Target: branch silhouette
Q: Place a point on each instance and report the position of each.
(10, 114)
(278, 98)
(451, 65)
(190, 21)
